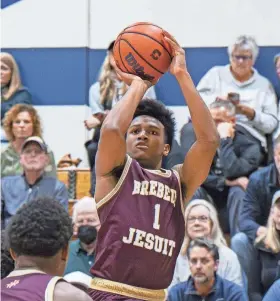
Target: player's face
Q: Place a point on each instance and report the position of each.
(198, 222)
(202, 265)
(145, 141)
(33, 158)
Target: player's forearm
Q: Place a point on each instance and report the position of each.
(204, 126)
(122, 113)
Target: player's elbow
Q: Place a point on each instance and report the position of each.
(211, 141)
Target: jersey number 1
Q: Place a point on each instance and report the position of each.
(156, 219)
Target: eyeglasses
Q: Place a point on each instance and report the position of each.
(244, 58)
(201, 219)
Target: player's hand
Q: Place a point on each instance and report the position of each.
(178, 64)
(129, 78)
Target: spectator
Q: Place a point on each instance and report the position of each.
(277, 66)
(254, 215)
(257, 110)
(33, 183)
(38, 238)
(268, 251)
(103, 95)
(273, 293)
(21, 122)
(86, 223)
(204, 283)
(12, 91)
(238, 156)
(7, 262)
(202, 222)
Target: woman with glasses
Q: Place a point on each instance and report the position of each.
(202, 222)
(240, 82)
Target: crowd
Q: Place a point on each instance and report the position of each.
(231, 245)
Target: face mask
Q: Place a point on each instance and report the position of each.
(87, 234)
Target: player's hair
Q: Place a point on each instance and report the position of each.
(107, 79)
(158, 110)
(40, 228)
(204, 243)
(7, 262)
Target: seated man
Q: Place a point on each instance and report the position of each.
(204, 283)
(33, 183)
(257, 107)
(263, 184)
(238, 156)
(86, 223)
(38, 236)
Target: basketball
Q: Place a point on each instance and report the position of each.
(141, 49)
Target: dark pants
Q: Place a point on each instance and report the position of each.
(228, 204)
(91, 147)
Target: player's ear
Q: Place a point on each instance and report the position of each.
(166, 149)
(13, 254)
(64, 253)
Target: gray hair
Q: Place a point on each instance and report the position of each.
(86, 204)
(216, 232)
(227, 105)
(245, 43)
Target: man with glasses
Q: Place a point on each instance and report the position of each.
(204, 283)
(256, 100)
(33, 183)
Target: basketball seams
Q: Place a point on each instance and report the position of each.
(146, 35)
(119, 41)
(141, 56)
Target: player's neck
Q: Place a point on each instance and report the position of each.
(204, 288)
(35, 263)
(150, 165)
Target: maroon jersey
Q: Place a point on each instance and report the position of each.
(28, 285)
(142, 228)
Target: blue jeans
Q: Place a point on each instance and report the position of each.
(248, 258)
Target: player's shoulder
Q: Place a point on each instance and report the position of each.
(65, 291)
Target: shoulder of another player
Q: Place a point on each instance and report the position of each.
(65, 291)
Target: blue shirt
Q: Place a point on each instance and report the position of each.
(223, 290)
(15, 191)
(78, 259)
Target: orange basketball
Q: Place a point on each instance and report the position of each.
(141, 49)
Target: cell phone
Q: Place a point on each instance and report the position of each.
(234, 98)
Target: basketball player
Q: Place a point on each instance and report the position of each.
(38, 237)
(141, 205)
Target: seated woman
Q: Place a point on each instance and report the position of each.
(202, 221)
(268, 248)
(12, 91)
(103, 95)
(257, 106)
(20, 122)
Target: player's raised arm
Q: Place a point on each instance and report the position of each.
(198, 160)
(112, 147)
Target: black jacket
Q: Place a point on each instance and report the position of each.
(257, 201)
